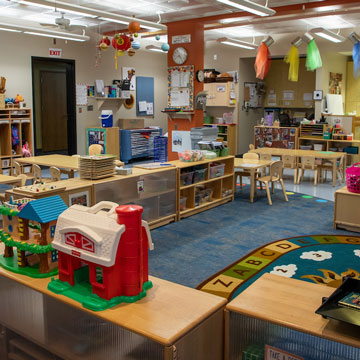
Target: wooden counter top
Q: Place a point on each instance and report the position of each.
(292, 303)
(167, 312)
(182, 164)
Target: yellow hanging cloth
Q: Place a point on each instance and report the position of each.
(292, 58)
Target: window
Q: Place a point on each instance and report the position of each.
(70, 239)
(9, 217)
(52, 231)
(79, 241)
(10, 228)
(87, 244)
(54, 256)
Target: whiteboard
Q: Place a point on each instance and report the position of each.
(334, 104)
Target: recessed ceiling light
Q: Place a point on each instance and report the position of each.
(250, 7)
(80, 38)
(328, 35)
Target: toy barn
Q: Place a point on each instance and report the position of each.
(29, 226)
(108, 249)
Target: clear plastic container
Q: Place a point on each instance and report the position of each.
(305, 147)
(183, 203)
(199, 175)
(318, 147)
(217, 170)
(186, 178)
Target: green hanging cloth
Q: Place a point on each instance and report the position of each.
(292, 58)
(313, 59)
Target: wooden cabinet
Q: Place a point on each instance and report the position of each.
(220, 94)
(203, 185)
(280, 92)
(18, 119)
(227, 134)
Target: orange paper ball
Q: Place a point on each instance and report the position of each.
(134, 27)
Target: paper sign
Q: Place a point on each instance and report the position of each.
(272, 353)
(308, 96)
(55, 52)
(181, 141)
(288, 95)
(272, 99)
(149, 108)
(181, 39)
(142, 106)
(140, 186)
(180, 98)
(81, 94)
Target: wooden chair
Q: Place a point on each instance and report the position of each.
(241, 173)
(38, 176)
(289, 162)
(19, 169)
(251, 147)
(275, 174)
(328, 166)
(308, 163)
(264, 157)
(95, 149)
(55, 173)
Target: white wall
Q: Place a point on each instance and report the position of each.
(15, 65)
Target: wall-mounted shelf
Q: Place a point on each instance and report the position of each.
(179, 114)
(101, 100)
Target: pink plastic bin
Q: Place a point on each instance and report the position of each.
(353, 178)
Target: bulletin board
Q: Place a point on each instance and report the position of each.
(276, 137)
(181, 87)
(96, 136)
(145, 93)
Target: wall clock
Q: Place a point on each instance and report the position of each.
(200, 76)
(180, 55)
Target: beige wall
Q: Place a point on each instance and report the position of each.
(15, 65)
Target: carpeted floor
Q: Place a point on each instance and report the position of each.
(321, 259)
(191, 250)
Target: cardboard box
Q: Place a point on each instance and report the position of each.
(2, 101)
(131, 123)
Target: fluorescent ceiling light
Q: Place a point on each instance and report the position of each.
(328, 35)
(82, 38)
(249, 6)
(237, 43)
(155, 48)
(11, 30)
(235, 19)
(114, 20)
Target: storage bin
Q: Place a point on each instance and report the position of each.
(217, 170)
(351, 150)
(186, 178)
(305, 147)
(183, 203)
(228, 118)
(353, 178)
(224, 152)
(6, 172)
(318, 147)
(154, 183)
(5, 163)
(199, 175)
(208, 119)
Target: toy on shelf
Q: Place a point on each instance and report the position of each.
(103, 255)
(29, 226)
(26, 152)
(18, 99)
(337, 132)
(40, 189)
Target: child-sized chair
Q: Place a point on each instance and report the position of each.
(289, 162)
(276, 174)
(55, 173)
(38, 176)
(19, 169)
(308, 163)
(241, 173)
(95, 149)
(328, 166)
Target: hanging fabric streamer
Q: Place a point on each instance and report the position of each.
(262, 61)
(356, 59)
(292, 58)
(313, 59)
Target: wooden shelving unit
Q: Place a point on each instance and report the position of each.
(221, 187)
(227, 133)
(313, 130)
(21, 119)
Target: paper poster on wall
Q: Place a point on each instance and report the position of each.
(142, 106)
(180, 97)
(308, 96)
(288, 95)
(149, 108)
(271, 99)
(335, 83)
(128, 73)
(181, 141)
(81, 94)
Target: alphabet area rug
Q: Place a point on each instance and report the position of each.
(323, 259)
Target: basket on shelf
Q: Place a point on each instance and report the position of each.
(353, 178)
(160, 148)
(224, 79)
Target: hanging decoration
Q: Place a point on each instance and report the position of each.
(313, 58)
(356, 59)
(262, 61)
(120, 43)
(135, 45)
(104, 43)
(165, 47)
(292, 58)
(134, 27)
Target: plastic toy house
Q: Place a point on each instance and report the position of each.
(29, 226)
(104, 252)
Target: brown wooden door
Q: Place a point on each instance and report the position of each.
(53, 111)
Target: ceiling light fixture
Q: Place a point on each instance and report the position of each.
(250, 7)
(268, 41)
(115, 21)
(155, 48)
(237, 43)
(307, 37)
(80, 38)
(64, 6)
(328, 35)
(354, 37)
(11, 30)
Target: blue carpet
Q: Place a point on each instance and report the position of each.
(191, 250)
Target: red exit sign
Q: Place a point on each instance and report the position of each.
(55, 52)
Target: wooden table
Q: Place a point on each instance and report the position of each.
(6, 179)
(326, 155)
(252, 166)
(286, 307)
(59, 161)
(345, 214)
(171, 318)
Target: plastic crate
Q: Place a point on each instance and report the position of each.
(305, 147)
(351, 150)
(353, 178)
(217, 170)
(160, 148)
(318, 147)
(199, 175)
(186, 178)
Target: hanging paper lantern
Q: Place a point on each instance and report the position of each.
(131, 52)
(356, 59)
(121, 42)
(104, 43)
(157, 37)
(165, 47)
(135, 45)
(134, 27)
(292, 58)
(313, 58)
(262, 61)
